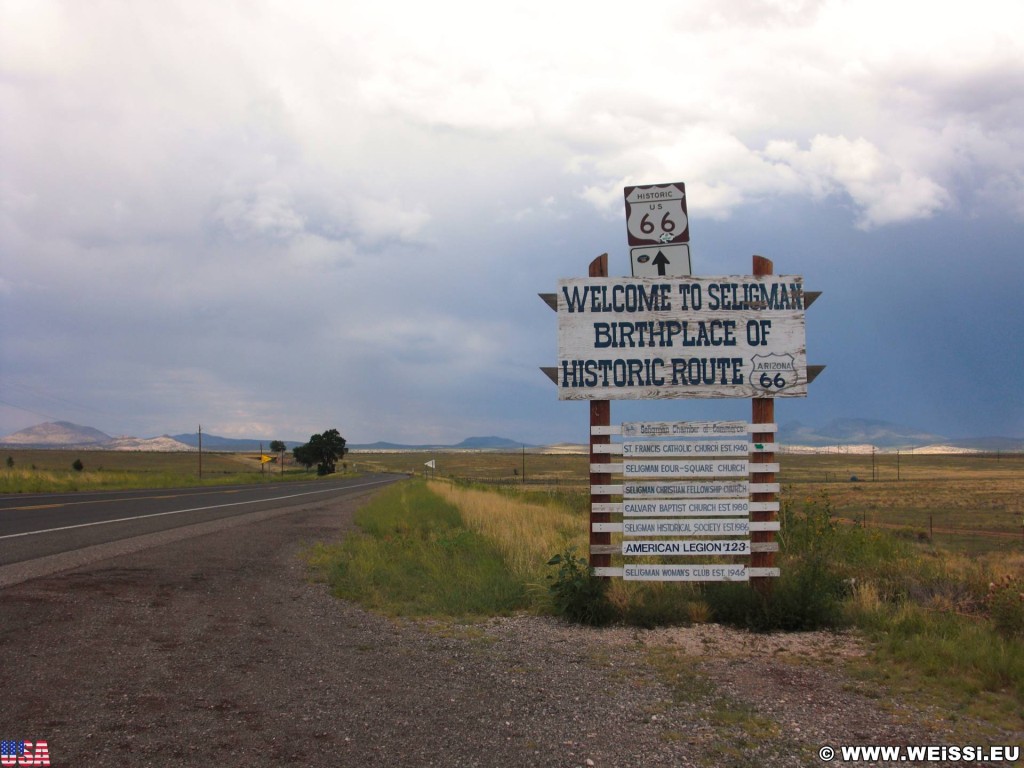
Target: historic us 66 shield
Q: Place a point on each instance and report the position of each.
(656, 214)
(773, 373)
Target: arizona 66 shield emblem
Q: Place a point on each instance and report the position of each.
(773, 373)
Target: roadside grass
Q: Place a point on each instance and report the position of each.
(416, 557)
(20, 481)
(968, 503)
(963, 503)
(945, 626)
(50, 471)
(525, 533)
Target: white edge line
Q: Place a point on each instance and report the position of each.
(193, 509)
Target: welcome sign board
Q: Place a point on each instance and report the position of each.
(708, 337)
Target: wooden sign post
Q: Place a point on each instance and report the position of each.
(600, 421)
(664, 334)
(763, 412)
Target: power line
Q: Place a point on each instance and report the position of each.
(29, 410)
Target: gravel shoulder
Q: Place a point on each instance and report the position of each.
(218, 649)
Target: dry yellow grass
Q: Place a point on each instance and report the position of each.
(528, 535)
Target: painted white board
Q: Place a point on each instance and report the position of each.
(684, 573)
(708, 337)
(684, 527)
(641, 429)
(685, 490)
(715, 507)
(685, 468)
(683, 548)
(686, 448)
(684, 507)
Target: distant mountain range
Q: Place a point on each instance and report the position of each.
(885, 434)
(216, 443)
(840, 432)
(469, 444)
(64, 434)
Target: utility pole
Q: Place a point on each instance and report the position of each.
(200, 451)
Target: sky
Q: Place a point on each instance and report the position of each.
(275, 218)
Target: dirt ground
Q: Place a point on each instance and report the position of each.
(217, 649)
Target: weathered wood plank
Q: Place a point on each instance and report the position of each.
(686, 468)
(709, 337)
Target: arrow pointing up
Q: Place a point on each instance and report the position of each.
(660, 261)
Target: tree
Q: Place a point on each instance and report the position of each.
(324, 450)
(278, 447)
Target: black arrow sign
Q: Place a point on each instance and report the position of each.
(660, 261)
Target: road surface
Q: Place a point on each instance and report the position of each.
(39, 525)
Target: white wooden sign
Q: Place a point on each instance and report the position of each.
(685, 468)
(689, 428)
(685, 573)
(684, 507)
(707, 337)
(661, 261)
(674, 548)
(702, 448)
(685, 527)
(687, 490)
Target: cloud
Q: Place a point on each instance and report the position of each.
(883, 191)
(339, 202)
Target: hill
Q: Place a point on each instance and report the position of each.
(64, 434)
(846, 432)
(883, 434)
(58, 434)
(228, 444)
(490, 443)
(866, 433)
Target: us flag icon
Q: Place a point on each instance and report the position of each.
(21, 753)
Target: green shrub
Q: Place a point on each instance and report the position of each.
(1005, 605)
(657, 603)
(809, 592)
(576, 593)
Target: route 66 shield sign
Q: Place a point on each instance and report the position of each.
(656, 214)
(772, 373)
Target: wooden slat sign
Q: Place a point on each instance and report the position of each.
(682, 547)
(685, 527)
(685, 573)
(682, 507)
(686, 448)
(685, 490)
(654, 338)
(685, 468)
(684, 428)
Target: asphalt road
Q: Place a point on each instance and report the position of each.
(38, 525)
